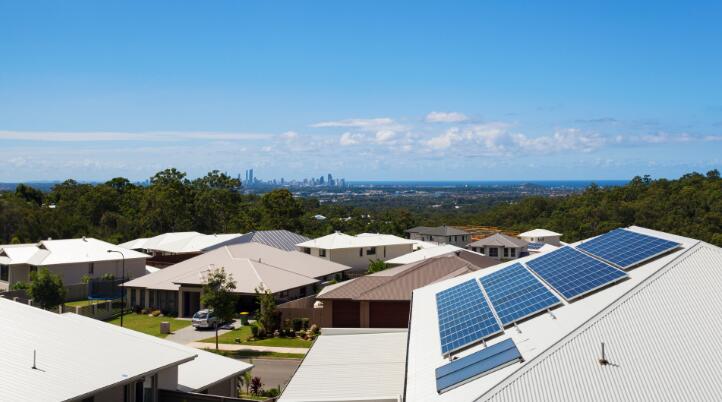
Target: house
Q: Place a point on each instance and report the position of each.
(68, 357)
(637, 323)
(382, 299)
(475, 258)
(542, 236)
(288, 274)
(170, 248)
(281, 239)
(357, 251)
(371, 369)
(500, 246)
(71, 259)
(440, 235)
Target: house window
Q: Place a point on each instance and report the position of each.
(506, 252)
(493, 252)
(91, 268)
(513, 252)
(371, 251)
(307, 250)
(4, 273)
(302, 291)
(360, 252)
(321, 252)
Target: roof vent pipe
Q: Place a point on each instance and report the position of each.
(34, 359)
(603, 360)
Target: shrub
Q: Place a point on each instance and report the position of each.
(254, 330)
(305, 323)
(314, 329)
(297, 324)
(272, 393)
(256, 386)
(261, 333)
(137, 309)
(155, 313)
(144, 311)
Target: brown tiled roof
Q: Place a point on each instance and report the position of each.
(398, 283)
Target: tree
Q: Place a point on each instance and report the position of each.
(46, 289)
(218, 296)
(266, 314)
(377, 266)
(256, 386)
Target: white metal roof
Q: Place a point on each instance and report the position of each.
(536, 335)
(196, 375)
(424, 253)
(180, 242)
(67, 251)
(351, 365)
(539, 233)
(340, 240)
(75, 356)
(660, 339)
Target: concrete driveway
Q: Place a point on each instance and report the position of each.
(273, 372)
(189, 334)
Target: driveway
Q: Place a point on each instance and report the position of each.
(189, 334)
(274, 372)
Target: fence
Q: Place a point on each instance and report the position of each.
(76, 292)
(178, 396)
(101, 310)
(302, 308)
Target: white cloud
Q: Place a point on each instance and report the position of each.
(446, 117)
(385, 136)
(356, 123)
(350, 139)
(289, 135)
(444, 140)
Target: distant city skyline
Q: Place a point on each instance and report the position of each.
(369, 91)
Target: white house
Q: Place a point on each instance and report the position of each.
(170, 248)
(67, 357)
(357, 251)
(542, 236)
(500, 246)
(71, 259)
(643, 331)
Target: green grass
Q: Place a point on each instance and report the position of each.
(150, 325)
(252, 354)
(83, 303)
(244, 332)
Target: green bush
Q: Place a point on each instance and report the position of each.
(305, 322)
(254, 330)
(297, 324)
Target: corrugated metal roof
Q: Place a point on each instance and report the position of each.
(399, 282)
(539, 233)
(340, 240)
(281, 239)
(351, 365)
(534, 336)
(660, 340)
(65, 251)
(180, 242)
(437, 231)
(74, 356)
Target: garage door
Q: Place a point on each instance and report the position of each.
(346, 314)
(389, 314)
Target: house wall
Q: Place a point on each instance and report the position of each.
(223, 388)
(114, 394)
(486, 250)
(358, 259)
(458, 240)
(374, 314)
(73, 273)
(553, 240)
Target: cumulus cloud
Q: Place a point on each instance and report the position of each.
(446, 117)
(357, 123)
(350, 139)
(385, 136)
(289, 135)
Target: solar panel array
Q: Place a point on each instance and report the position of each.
(626, 249)
(573, 273)
(464, 316)
(534, 246)
(477, 364)
(516, 294)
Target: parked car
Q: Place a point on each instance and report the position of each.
(204, 319)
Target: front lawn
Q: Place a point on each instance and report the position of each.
(148, 324)
(83, 303)
(245, 331)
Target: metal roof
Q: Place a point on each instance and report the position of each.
(351, 365)
(65, 251)
(76, 356)
(537, 335)
(539, 233)
(180, 242)
(251, 265)
(399, 282)
(340, 240)
(281, 239)
(499, 239)
(438, 231)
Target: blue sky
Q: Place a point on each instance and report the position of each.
(365, 90)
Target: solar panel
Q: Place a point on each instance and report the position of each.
(534, 246)
(468, 368)
(516, 294)
(464, 316)
(625, 248)
(573, 273)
